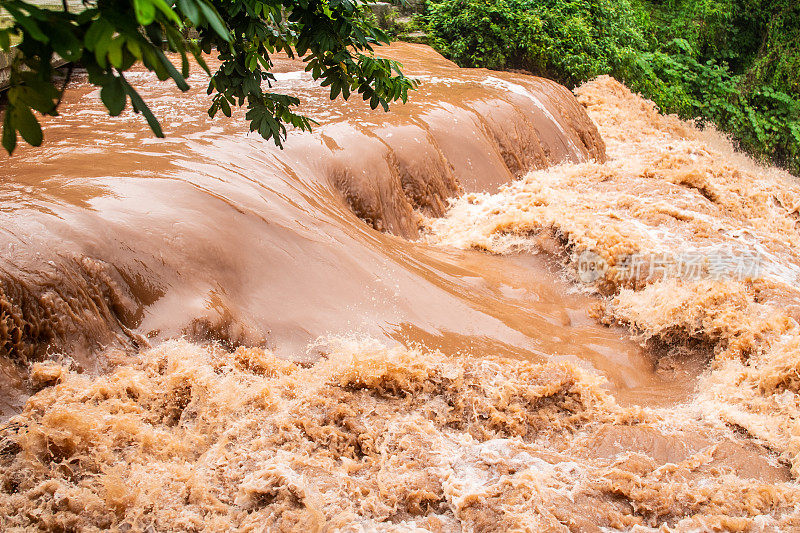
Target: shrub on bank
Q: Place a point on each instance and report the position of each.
(567, 40)
(732, 62)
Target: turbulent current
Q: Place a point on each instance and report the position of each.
(499, 307)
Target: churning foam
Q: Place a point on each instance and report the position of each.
(670, 191)
(368, 439)
(371, 438)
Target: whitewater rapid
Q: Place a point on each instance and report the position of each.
(391, 326)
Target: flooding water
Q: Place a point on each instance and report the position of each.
(355, 353)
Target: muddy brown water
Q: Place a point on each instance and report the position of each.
(229, 336)
(113, 238)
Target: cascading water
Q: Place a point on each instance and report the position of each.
(229, 336)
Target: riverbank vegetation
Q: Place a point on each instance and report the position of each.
(735, 63)
(335, 39)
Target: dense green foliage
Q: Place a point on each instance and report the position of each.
(733, 62)
(568, 40)
(334, 38)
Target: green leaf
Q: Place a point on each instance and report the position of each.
(168, 12)
(40, 96)
(115, 51)
(27, 125)
(184, 65)
(214, 20)
(27, 23)
(99, 31)
(9, 134)
(173, 72)
(134, 48)
(198, 56)
(190, 10)
(113, 96)
(145, 11)
(140, 107)
(101, 51)
(64, 41)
